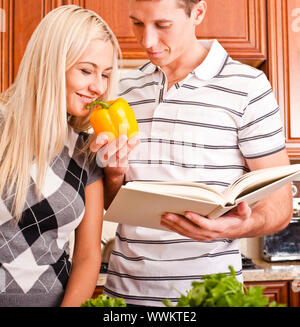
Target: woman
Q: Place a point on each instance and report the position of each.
(49, 182)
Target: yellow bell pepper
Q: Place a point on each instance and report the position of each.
(114, 118)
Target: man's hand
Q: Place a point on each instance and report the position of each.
(268, 216)
(232, 225)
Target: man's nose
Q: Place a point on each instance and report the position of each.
(149, 37)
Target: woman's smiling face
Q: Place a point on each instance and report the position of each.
(88, 78)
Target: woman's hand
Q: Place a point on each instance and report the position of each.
(113, 157)
(114, 154)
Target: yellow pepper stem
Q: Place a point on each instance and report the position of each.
(103, 104)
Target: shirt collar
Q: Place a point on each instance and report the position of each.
(209, 68)
(214, 62)
(148, 68)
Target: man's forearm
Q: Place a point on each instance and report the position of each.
(273, 213)
(112, 184)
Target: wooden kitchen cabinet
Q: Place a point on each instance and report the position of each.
(241, 31)
(284, 65)
(294, 294)
(275, 290)
(98, 291)
(279, 291)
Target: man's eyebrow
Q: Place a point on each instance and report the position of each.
(132, 17)
(158, 20)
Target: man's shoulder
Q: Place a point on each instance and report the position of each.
(235, 67)
(136, 73)
(135, 77)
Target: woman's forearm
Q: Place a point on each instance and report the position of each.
(82, 281)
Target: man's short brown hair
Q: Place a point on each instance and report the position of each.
(187, 5)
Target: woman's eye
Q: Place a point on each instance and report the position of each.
(86, 72)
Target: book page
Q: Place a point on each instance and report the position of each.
(144, 209)
(182, 189)
(257, 179)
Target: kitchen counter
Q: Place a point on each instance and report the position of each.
(266, 271)
(274, 271)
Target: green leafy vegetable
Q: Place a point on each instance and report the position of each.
(104, 301)
(222, 290)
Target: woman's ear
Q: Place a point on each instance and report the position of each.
(198, 12)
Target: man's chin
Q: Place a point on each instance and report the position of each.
(158, 61)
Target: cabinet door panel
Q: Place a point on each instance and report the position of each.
(295, 293)
(6, 57)
(239, 25)
(98, 291)
(284, 65)
(23, 16)
(293, 12)
(115, 13)
(275, 290)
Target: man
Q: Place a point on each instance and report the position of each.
(202, 117)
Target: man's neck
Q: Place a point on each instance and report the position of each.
(179, 69)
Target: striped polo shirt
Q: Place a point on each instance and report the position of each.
(200, 130)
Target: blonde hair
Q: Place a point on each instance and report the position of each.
(33, 116)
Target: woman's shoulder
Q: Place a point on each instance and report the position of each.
(76, 138)
(81, 155)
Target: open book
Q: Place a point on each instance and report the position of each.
(143, 203)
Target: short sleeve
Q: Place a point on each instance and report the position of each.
(94, 172)
(261, 131)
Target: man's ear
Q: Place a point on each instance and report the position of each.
(198, 12)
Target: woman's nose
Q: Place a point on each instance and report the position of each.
(98, 86)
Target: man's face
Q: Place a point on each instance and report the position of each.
(162, 28)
